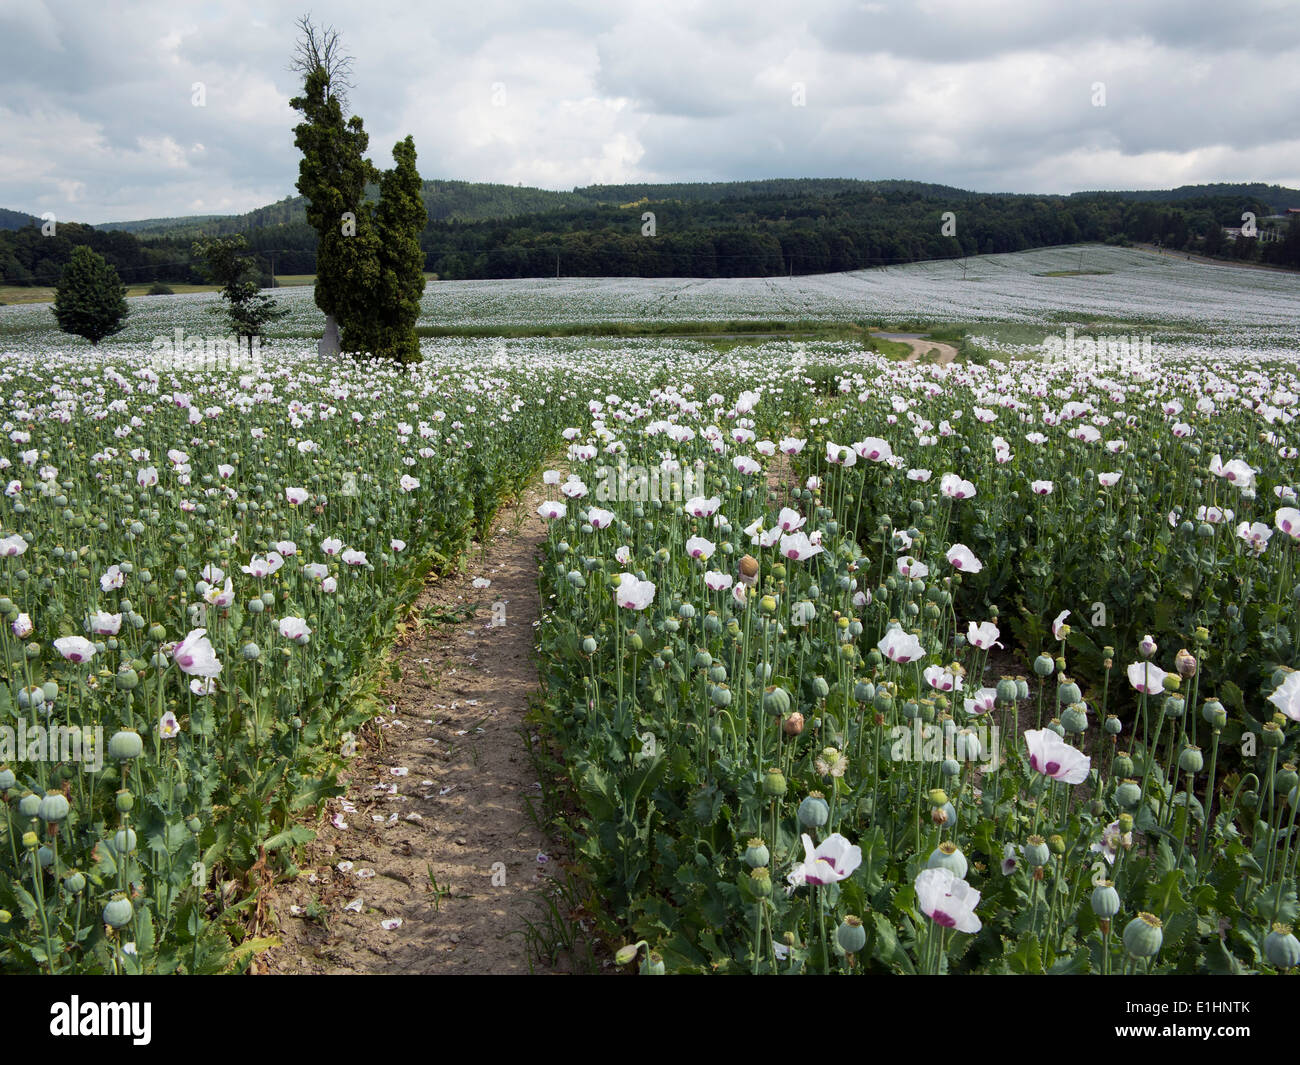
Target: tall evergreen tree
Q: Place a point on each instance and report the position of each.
(90, 300)
(369, 264)
(332, 176)
(394, 304)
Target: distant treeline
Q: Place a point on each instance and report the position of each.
(737, 229)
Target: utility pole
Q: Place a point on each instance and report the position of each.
(557, 266)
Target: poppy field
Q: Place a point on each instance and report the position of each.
(971, 670)
(847, 664)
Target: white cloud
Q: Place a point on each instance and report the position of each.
(983, 94)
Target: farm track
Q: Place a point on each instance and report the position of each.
(438, 832)
(920, 348)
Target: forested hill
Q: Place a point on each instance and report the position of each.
(730, 229)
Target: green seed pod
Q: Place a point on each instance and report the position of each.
(947, 856)
(119, 912)
(589, 645)
(1143, 936)
(1113, 725)
(125, 801)
(814, 811)
(1037, 853)
(720, 695)
(124, 841)
(75, 882)
(1271, 736)
(1105, 900)
(1214, 713)
(760, 882)
(7, 778)
(1281, 948)
(1123, 766)
(125, 745)
(54, 808)
(850, 935)
(774, 783)
(776, 701)
(29, 805)
(1068, 692)
(1006, 690)
(1074, 718)
(1190, 760)
(1128, 794)
(756, 854)
(635, 642)
(127, 680)
(864, 691)
(653, 965)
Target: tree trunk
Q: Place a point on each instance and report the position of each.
(329, 344)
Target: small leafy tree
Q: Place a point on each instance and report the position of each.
(90, 300)
(248, 308)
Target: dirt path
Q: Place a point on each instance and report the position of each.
(437, 793)
(920, 348)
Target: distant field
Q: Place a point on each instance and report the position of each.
(14, 294)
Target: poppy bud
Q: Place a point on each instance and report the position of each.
(1185, 663)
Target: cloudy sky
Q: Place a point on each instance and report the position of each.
(98, 115)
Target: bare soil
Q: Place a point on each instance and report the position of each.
(432, 861)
